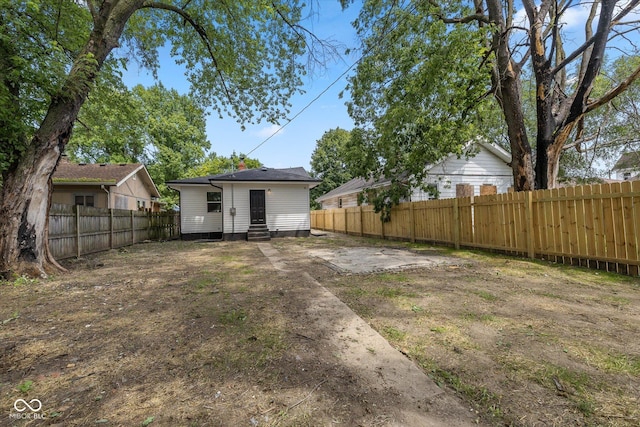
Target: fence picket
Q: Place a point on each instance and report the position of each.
(595, 225)
(80, 230)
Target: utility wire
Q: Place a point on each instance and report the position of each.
(373, 45)
(306, 106)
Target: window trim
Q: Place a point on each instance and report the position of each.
(215, 204)
(84, 199)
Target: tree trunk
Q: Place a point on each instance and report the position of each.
(506, 82)
(26, 191)
(24, 210)
(554, 151)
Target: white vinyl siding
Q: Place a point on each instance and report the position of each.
(194, 217)
(236, 195)
(287, 206)
(484, 168)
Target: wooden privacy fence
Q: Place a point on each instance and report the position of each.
(592, 225)
(80, 230)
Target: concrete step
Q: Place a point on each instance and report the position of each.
(258, 233)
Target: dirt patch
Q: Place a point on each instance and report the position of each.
(369, 260)
(529, 343)
(218, 334)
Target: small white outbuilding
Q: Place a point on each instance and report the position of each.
(253, 204)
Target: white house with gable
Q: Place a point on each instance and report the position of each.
(253, 204)
(486, 164)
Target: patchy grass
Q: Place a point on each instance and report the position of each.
(525, 342)
(212, 336)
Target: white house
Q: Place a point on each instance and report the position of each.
(627, 168)
(486, 164)
(253, 204)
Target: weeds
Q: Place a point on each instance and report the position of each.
(393, 333)
(25, 386)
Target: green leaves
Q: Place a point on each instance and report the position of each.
(155, 126)
(413, 92)
(328, 162)
(244, 59)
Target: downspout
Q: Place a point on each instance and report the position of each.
(108, 196)
(222, 208)
(233, 217)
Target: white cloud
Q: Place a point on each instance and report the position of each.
(266, 132)
(574, 16)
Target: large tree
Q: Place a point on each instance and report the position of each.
(328, 163)
(156, 126)
(242, 57)
(215, 164)
(430, 47)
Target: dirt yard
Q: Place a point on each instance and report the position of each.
(245, 334)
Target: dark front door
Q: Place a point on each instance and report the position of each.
(256, 206)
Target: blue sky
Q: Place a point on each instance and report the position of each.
(294, 144)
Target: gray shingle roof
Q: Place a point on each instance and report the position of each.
(355, 185)
(82, 172)
(629, 160)
(68, 173)
(253, 175)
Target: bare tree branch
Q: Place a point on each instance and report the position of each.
(201, 32)
(624, 12)
(585, 47)
(327, 51)
(479, 17)
(613, 92)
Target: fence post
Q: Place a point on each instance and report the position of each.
(528, 213)
(133, 230)
(346, 225)
(456, 224)
(149, 223)
(110, 228)
(361, 223)
(412, 228)
(78, 251)
(333, 220)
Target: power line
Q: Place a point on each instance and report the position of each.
(373, 45)
(306, 106)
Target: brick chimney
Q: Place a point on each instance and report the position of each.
(241, 165)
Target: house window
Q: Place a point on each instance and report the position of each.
(626, 176)
(214, 201)
(340, 202)
(142, 204)
(84, 200)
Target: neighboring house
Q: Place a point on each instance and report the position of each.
(253, 204)
(489, 164)
(627, 168)
(116, 186)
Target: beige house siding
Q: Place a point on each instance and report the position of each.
(348, 201)
(66, 195)
(130, 195)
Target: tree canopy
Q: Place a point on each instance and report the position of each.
(156, 126)
(244, 59)
(328, 163)
(215, 164)
(429, 68)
